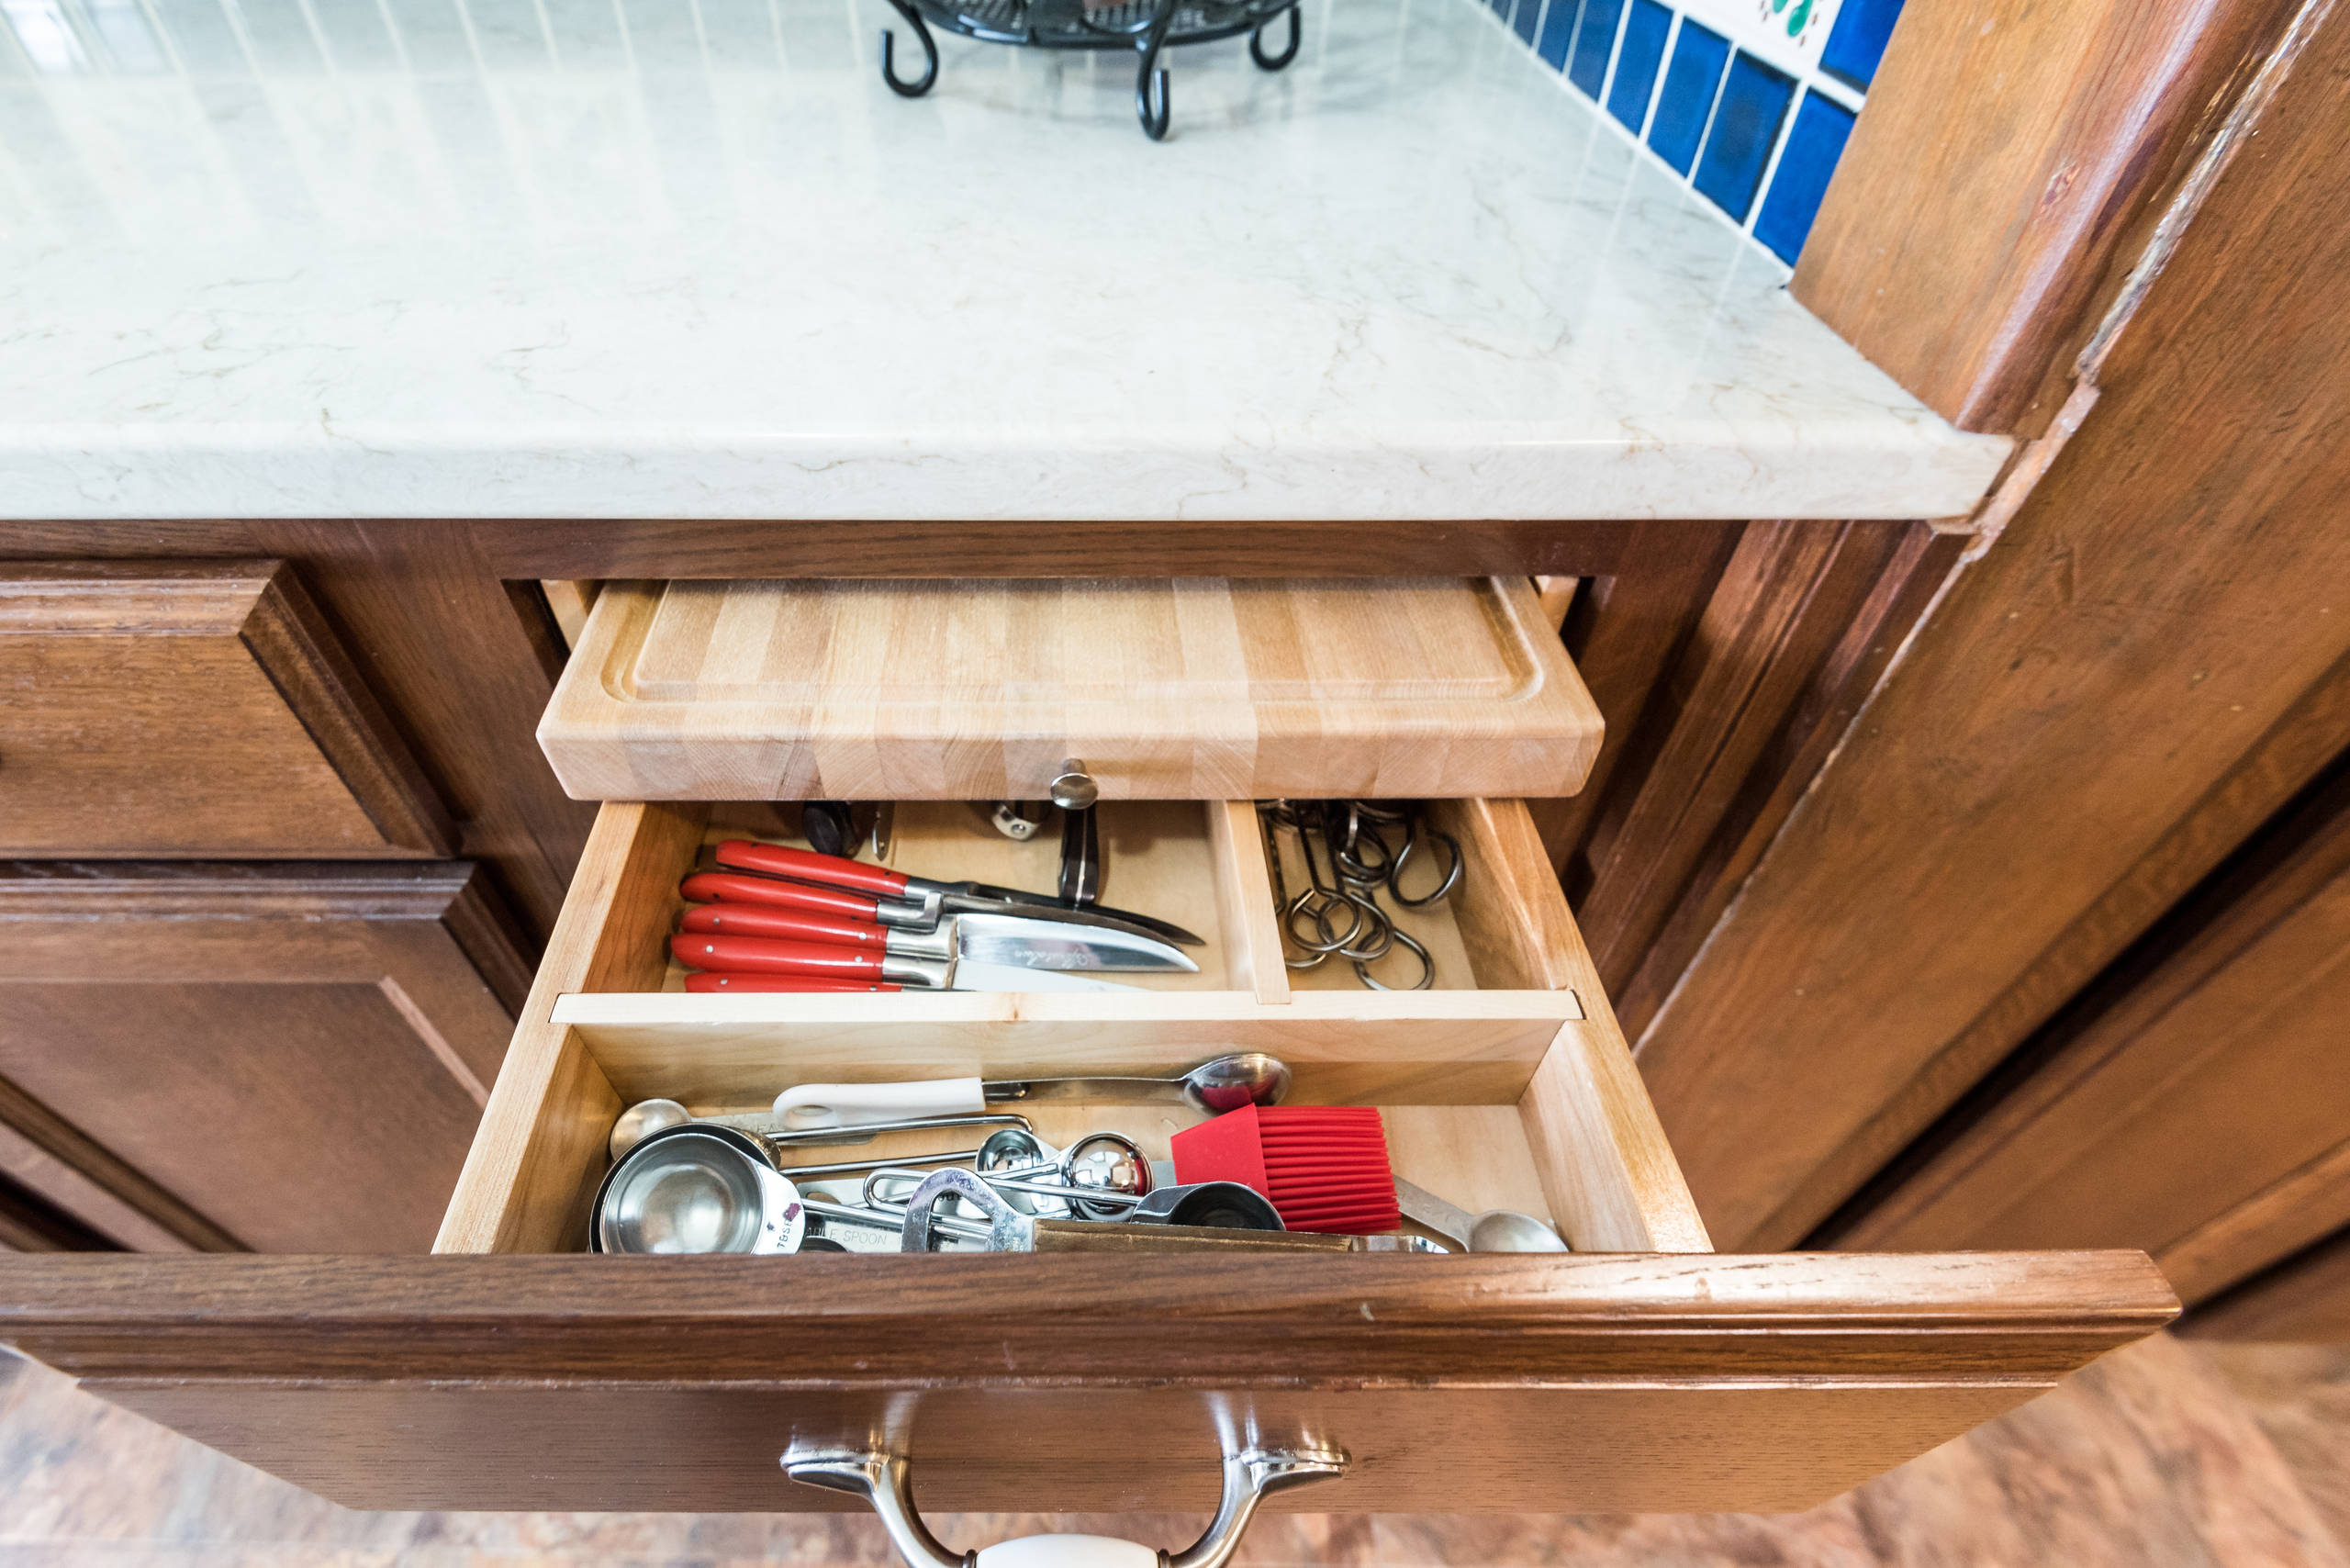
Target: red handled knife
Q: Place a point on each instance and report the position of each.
(987, 938)
(916, 902)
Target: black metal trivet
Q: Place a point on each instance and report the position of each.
(1148, 26)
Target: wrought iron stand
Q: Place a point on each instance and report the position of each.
(1148, 26)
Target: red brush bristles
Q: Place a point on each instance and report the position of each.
(1325, 1167)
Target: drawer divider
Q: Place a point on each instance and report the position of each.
(1244, 881)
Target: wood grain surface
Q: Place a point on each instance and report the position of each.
(1624, 630)
(1344, 1046)
(422, 610)
(2191, 1104)
(550, 1110)
(1796, 631)
(1786, 724)
(282, 1056)
(2303, 1300)
(542, 549)
(1182, 689)
(1982, 214)
(2139, 673)
(1622, 1383)
(198, 709)
(30, 1224)
(615, 1030)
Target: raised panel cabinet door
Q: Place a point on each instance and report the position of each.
(2194, 1103)
(278, 1058)
(194, 709)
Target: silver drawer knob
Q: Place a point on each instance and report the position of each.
(1074, 789)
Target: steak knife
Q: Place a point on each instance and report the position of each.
(747, 955)
(920, 902)
(989, 938)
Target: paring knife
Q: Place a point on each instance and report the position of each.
(921, 901)
(829, 961)
(989, 938)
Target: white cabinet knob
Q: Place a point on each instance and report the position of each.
(1068, 1552)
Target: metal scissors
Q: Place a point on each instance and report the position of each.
(1339, 912)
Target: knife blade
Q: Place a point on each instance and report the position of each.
(929, 900)
(825, 961)
(989, 938)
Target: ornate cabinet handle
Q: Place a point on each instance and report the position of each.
(886, 1480)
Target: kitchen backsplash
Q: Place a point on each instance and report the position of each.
(1749, 102)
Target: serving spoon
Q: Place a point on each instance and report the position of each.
(1222, 1083)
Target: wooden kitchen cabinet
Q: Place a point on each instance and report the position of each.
(1642, 1372)
(2193, 1103)
(197, 709)
(2304, 1299)
(283, 1058)
(1732, 658)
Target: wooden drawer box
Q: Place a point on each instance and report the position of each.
(1639, 1373)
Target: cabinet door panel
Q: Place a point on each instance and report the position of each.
(200, 709)
(2194, 1104)
(282, 1058)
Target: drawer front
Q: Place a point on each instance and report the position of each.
(1587, 1383)
(1182, 689)
(1639, 1373)
(197, 709)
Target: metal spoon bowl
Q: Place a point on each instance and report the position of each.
(642, 1120)
(1506, 1230)
(1243, 1078)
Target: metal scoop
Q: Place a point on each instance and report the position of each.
(1495, 1230)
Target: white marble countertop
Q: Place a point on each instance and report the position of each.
(689, 258)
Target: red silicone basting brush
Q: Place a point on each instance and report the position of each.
(1325, 1167)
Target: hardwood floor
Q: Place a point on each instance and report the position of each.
(2217, 1456)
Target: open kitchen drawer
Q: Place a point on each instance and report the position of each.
(1640, 1373)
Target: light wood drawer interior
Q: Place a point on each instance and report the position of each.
(1507, 1085)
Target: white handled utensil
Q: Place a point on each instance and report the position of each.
(1223, 1083)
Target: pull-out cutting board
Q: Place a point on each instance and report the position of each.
(1197, 689)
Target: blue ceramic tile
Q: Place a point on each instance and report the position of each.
(1746, 123)
(1858, 40)
(1594, 40)
(1814, 144)
(1688, 98)
(1529, 12)
(1636, 62)
(1501, 8)
(1558, 32)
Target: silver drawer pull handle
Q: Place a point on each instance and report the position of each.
(886, 1481)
